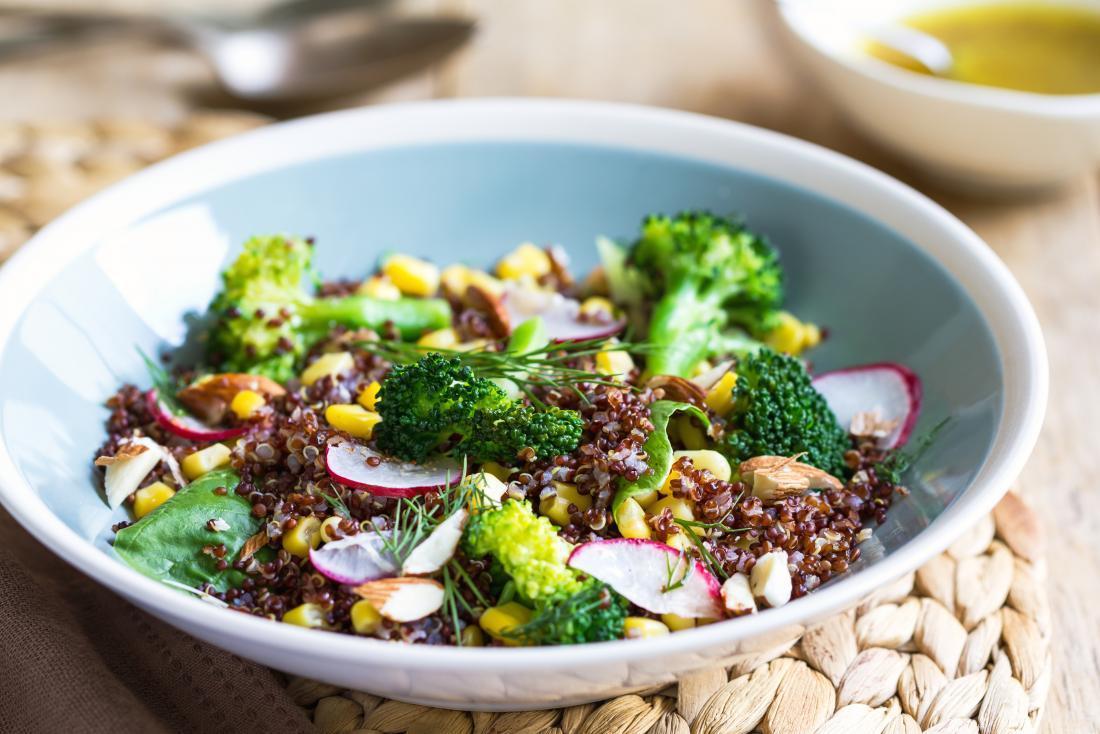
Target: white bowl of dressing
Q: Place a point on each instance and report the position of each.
(974, 137)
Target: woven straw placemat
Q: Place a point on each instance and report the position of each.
(959, 647)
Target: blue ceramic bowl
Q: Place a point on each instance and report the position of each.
(891, 275)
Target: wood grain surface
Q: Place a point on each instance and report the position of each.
(720, 57)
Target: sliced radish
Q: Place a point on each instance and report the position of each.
(438, 548)
(560, 315)
(355, 559)
(887, 390)
(362, 467)
(640, 570)
(185, 426)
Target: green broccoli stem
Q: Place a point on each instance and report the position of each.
(411, 316)
(679, 337)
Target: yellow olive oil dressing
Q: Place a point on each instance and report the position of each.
(1031, 47)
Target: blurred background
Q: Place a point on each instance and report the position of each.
(94, 90)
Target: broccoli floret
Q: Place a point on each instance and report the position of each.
(595, 613)
(714, 285)
(527, 547)
(777, 412)
(428, 403)
(568, 608)
(265, 319)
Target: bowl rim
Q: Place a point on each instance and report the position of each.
(1068, 106)
(951, 243)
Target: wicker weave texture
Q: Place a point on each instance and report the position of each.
(959, 647)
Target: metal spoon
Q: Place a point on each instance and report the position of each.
(299, 50)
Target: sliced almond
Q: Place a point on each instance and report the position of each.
(771, 579)
(737, 594)
(677, 388)
(128, 451)
(128, 468)
(403, 599)
(775, 477)
(871, 424)
(492, 306)
(209, 398)
(710, 378)
(438, 548)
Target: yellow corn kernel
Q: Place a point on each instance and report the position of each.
(792, 336)
(646, 499)
(594, 305)
(305, 534)
(440, 339)
(368, 398)
(412, 276)
(676, 623)
(692, 436)
(497, 470)
(330, 529)
(637, 628)
(811, 336)
(526, 261)
(712, 461)
(150, 498)
(205, 460)
(720, 395)
(630, 520)
(680, 541)
(682, 509)
(332, 364)
(614, 363)
(454, 279)
(306, 615)
(365, 619)
(353, 419)
(486, 282)
(556, 507)
(472, 636)
(380, 287)
(489, 490)
(701, 368)
(246, 403)
(498, 620)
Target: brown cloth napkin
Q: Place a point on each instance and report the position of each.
(76, 658)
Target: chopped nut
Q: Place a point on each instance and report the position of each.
(871, 424)
(209, 398)
(678, 388)
(492, 306)
(217, 525)
(403, 599)
(128, 451)
(771, 579)
(737, 594)
(775, 477)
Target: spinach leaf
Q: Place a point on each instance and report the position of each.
(659, 448)
(167, 543)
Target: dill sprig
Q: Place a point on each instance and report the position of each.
(542, 368)
(898, 462)
(553, 622)
(336, 502)
(689, 528)
(413, 522)
(672, 583)
(163, 382)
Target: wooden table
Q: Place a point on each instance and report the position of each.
(719, 57)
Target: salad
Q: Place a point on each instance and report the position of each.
(511, 456)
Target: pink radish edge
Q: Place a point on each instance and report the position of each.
(378, 567)
(713, 607)
(347, 463)
(186, 426)
(913, 387)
